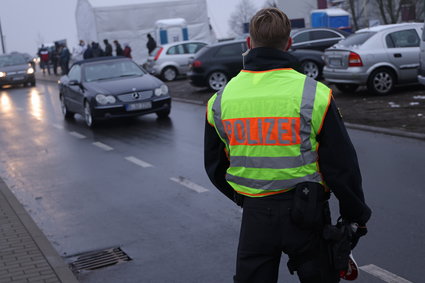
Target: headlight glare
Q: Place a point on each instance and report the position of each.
(2, 74)
(30, 71)
(164, 89)
(158, 92)
(101, 99)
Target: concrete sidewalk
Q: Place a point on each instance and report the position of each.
(26, 255)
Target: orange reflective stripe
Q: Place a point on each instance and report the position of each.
(281, 69)
(279, 131)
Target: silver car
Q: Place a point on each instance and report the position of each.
(378, 57)
(170, 60)
(421, 72)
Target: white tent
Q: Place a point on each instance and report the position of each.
(131, 20)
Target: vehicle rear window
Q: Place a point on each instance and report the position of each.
(230, 50)
(178, 49)
(325, 34)
(356, 39)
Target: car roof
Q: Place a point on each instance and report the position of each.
(227, 42)
(390, 26)
(99, 59)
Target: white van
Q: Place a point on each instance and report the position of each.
(421, 70)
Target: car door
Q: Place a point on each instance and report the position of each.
(177, 55)
(189, 50)
(73, 91)
(230, 57)
(403, 51)
(421, 71)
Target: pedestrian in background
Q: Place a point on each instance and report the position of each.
(78, 51)
(127, 50)
(108, 48)
(54, 57)
(96, 50)
(88, 53)
(64, 57)
(43, 53)
(151, 44)
(262, 151)
(118, 48)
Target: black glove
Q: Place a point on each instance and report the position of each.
(360, 231)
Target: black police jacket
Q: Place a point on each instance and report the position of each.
(337, 156)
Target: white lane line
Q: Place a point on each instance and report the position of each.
(139, 162)
(383, 274)
(103, 146)
(57, 126)
(188, 184)
(77, 135)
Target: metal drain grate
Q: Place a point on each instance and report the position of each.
(99, 259)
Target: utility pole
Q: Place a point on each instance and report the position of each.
(1, 37)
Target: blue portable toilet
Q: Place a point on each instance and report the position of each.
(331, 18)
(171, 30)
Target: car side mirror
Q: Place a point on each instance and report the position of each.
(74, 82)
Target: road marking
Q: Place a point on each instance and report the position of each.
(103, 146)
(77, 135)
(138, 161)
(189, 184)
(57, 126)
(19, 109)
(383, 274)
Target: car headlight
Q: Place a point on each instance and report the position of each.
(162, 90)
(30, 71)
(105, 99)
(2, 74)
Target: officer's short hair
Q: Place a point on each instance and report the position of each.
(270, 27)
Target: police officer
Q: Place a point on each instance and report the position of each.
(271, 136)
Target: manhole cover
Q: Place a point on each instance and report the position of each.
(98, 259)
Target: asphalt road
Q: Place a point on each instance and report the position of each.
(139, 184)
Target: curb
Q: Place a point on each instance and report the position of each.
(53, 258)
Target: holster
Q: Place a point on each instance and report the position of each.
(308, 205)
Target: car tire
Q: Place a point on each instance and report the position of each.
(65, 112)
(311, 69)
(88, 116)
(32, 83)
(169, 74)
(163, 114)
(381, 81)
(349, 88)
(217, 80)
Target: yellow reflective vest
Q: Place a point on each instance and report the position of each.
(269, 121)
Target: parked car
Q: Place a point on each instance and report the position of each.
(171, 60)
(15, 70)
(108, 87)
(316, 38)
(421, 71)
(378, 57)
(216, 64)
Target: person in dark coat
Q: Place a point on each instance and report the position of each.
(151, 44)
(64, 58)
(88, 53)
(96, 49)
(127, 50)
(118, 48)
(108, 48)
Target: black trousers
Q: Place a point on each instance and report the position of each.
(266, 232)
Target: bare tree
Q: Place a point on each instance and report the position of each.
(241, 16)
(270, 3)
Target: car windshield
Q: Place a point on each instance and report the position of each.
(355, 39)
(11, 60)
(107, 70)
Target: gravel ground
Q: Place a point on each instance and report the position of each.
(404, 109)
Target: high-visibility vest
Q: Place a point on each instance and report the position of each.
(269, 121)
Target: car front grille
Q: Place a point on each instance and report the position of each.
(135, 96)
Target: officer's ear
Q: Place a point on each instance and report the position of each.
(289, 44)
(248, 42)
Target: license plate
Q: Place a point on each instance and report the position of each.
(18, 78)
(138, 106)
(335, 62)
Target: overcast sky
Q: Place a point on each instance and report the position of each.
(26, 23)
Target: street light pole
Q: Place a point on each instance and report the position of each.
(1, 37)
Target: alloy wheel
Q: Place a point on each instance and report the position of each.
(382, 82)
(310, 69)
(217, 80)
(88, 118)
